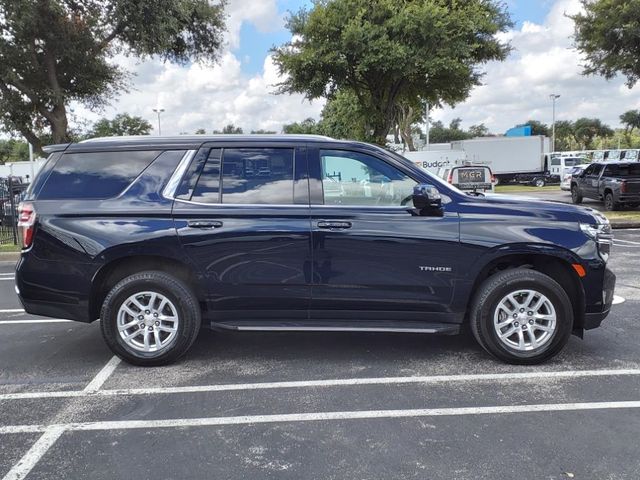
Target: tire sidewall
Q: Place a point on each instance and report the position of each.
(564, 320)
(156, 283)
(575, 195)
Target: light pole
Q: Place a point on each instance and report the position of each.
(553, 98)
(159, 111)
(427, 126)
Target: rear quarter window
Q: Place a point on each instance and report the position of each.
(95, 175)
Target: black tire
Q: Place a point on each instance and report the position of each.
(576, 196)
(539, 182)
(609, 202)
(180, 295)
(498, 286)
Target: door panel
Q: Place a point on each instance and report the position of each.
(387, 260)
(374, 255)
(254, 258)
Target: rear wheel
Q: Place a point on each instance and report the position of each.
(521, 316)
(150, 318)
(576, 196)
(609, 202)
(539, 182)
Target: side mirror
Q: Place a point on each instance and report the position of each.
(426, 196)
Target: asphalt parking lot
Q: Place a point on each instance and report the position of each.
(320, 406)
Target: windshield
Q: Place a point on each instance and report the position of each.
(623, 170)
(571, 162)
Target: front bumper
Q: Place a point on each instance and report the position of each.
(594, 319)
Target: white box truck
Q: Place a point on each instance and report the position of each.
(520, 159)
(433, 160)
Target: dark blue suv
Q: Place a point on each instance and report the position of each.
(158, 236)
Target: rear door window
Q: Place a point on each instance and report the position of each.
(247, 176)
(95, 175)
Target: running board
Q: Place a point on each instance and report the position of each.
(393, 326)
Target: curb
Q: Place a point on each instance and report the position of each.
(9, 256)
(624, 225)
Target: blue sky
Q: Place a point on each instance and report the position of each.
(240, 88)
(254, 44)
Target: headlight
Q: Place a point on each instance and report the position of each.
(601, 233)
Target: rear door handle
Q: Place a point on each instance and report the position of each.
(334, 225)
(204, 224)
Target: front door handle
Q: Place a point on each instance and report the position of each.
(334, 225)
(204, 224)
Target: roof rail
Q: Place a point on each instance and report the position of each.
(58, 147)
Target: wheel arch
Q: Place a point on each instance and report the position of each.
(556, 265)
(119, 268)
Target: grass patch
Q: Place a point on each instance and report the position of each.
(526, 188)
(630, 216)
(9, 248)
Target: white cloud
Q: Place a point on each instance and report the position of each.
(201, 96)
(543, 62)
(209, 97)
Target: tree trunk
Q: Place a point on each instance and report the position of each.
(59, 125)
(405, 120)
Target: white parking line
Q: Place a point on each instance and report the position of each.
(322, 416)
(617, 300)
(632, 242)
(516, 376)
(35, 453)
(53, 432)
(34, 320)
(12, 310)
(7, 278)
(102, 376)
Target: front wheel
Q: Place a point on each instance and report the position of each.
(576, 196)
(150, 318)
(521, 316)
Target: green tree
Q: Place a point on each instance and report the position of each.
(200, 131)
(631, 120)
(586, 130)
(54, 52)
(480, 130)
(386, 51)
(262, 132)
(229, 129)
(307, 127)
(13, 150)
(565, 136)
(607, 33)
(342, 118)
(121, 124)
(441, 134)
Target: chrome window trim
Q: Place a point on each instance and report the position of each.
(256, 205)
(169, 191)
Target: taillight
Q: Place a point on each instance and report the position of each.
(26, 222)
(450, 178)
(623, 186)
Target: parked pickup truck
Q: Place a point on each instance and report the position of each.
(617, 184)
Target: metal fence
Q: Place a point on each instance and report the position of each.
(11, 193)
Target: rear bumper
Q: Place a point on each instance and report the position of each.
(53, 289)
(594, 319)
(629, 198)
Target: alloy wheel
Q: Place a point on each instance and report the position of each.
(148, 321)
(525, 320)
